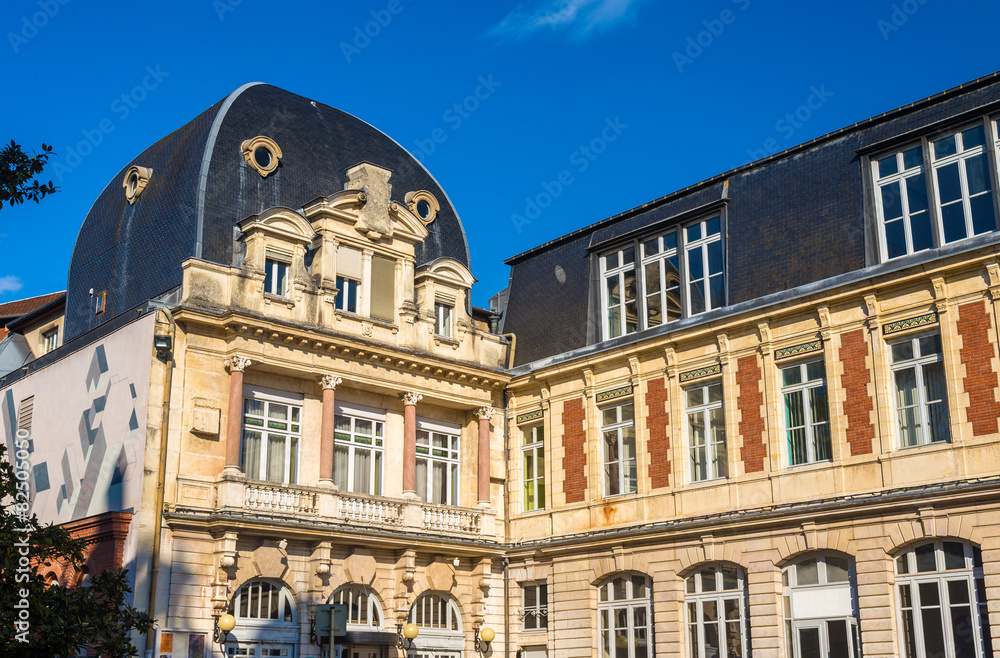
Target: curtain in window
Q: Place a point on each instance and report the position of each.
(383, 288)
(251, 453)
(275, 458)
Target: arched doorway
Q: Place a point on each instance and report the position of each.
(266, 623)
(440, 623)
(367, 636)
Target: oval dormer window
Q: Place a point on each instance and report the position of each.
(135, 181)
(424, 205)
(262, 154)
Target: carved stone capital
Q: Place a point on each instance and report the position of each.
(410, 398)
(486, 413)
(238, 363)
(329, 381)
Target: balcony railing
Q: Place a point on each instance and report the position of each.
(443, 518)
(279, 498)
(360, 509)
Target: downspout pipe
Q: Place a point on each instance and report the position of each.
(161, 472)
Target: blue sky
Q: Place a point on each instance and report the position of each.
(585, 107)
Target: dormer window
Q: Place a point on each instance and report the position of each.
(347, 294)
(276, 277)
(442, 324)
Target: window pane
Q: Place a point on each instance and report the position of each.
(973, 137)
(953, 218)
(925, 558)
(708, 579)
(651, 247)
(887, 166)
(902, 351)
(711, 628)
(933, 632)
(275, 458)
(696, 267)
(807, 572)
(945, 147)
(892, 201)
(717, 291)
(809, 643)
(983, 217)
(715, 393)
(920, 231)
(954, 555)
(895, 239)
(837, 637)
(628, 255)
(913, 157)
(837, 569)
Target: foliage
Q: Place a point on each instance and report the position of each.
(59, 619)
(18, 171)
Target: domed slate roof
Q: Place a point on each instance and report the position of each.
(201, 186)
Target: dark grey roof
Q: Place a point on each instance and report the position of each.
(792, 219)
(201, 187)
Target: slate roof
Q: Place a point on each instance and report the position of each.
(201, 187)
(11, 311)
(794, 218)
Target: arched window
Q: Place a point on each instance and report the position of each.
(436, 612)
(624, 619)
(715, 611)
(363, 609)
(941, 598)
(52, 579)
(260, 600)
(265, 615)
(819, 597)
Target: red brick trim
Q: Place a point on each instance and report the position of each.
(980, 379)
(575, 449)
(105, 536)
(659, 438)
(749, 402)
(857, 402)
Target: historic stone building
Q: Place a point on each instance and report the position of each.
(757, 415)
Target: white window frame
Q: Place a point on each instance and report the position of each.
(918, 363)
(910, 580)
(286, 604)
(443, 314)
(539, 612)
(824, 590)
(697, 594)
(715, 451)
(630, 604)
(361, 603)
(50, 340)
(962, 157)
(533, 454)
(448, 455)
(274, 267)
(682, 254)
(804, 389)
(292, 436)
(353, 440)
(899, 180)
(617, 420)
(430, 607)
(344, 285)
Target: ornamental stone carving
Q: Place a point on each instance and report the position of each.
(330, 381)
(410, 398)
(238, 363)
(486, 413)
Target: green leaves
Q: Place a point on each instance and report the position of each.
(17, 175)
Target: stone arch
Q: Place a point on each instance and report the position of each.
(791, 547)
(706, 551)
(620, 560)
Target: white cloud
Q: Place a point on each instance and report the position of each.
(10, 284)
(577, 18)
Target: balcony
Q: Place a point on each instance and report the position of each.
(251, 498)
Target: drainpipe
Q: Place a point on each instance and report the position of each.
(160, 477)
(510, 357)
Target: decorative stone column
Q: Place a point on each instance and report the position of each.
(410, 399)
(329, 384)
(485, 414)
(237, 364)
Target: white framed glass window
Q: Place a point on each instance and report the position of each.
(941, 601)
(534, 611)
(807, 415)
(436, 612)
(618, 431)
(715, 612)
(276, 277)
(437, 462)
(706, 432)
(442, 323)
(904, 211)
(819, 598)
(50, 340)
(358, 435)
(661, 276)
(260, 600)
(964, 183)
(705, 265)
(621, 315)
(347, 295)
(624, 619)
(533, 456)
(363, 609)
(921, 393)
(272, 426)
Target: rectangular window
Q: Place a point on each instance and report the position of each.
(347, 295)
(276, 277)
(964, 183)
(383, 288)
(437, 462)
(99, 302)
(50, 340)
(706, 432)
(533, 452)
(904, 210)
(442, 324)
(271, 432)
(669, 288)
(358, 449)
(807, 416)
(535, 609)
(921, 395)
(618, 429)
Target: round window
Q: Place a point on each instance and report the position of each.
(133, 183)
(262, 156)
(423, 209)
